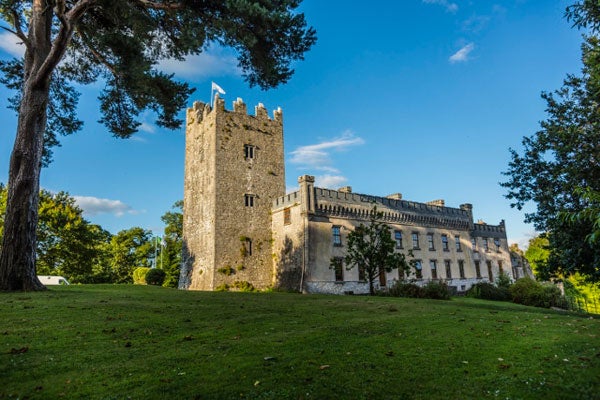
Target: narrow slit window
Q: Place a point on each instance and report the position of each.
(249, 200)
(249, 151)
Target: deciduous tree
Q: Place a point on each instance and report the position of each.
(130, 249)
(67, 243)
(372, 250)
(561, 162)
(119, 42)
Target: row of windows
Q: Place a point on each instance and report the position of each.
(337, 241)
(461, 269)
(338, 268)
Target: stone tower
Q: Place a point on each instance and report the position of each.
(234, 169)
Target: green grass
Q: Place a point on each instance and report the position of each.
(143, 342)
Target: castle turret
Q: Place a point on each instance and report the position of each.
(234, 169)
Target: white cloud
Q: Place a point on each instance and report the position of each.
(330, 181)
(94, 206)
(213, 62)
(12, 44)
(462, 55)
(318, 156)
(450, 7)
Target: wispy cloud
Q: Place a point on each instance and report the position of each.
(213, 62)
(462, 55)
(450, 7)
(12, 44)
(476, 23)
(94, 206)
(330, 181)
(320, 157)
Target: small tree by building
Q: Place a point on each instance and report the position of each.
(371, 249)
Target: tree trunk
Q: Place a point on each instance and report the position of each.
(17, 261)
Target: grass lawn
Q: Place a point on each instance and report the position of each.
(142, 342)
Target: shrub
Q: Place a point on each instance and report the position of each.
(139, 275)
(404, 289)
(436, 290)
(487, 291)
(226, 270)
(243, 286)
(503, 281)
(432, 290)
(155, 276)
(528, 292)
(222, 288)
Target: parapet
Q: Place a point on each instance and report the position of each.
(439, 203)
(200, 110)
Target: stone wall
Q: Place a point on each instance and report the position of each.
(228, 196)
(346, 211)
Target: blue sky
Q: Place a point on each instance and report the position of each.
(421, 97)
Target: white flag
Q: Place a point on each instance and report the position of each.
(217, 88)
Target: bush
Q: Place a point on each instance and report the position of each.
(139, 275)
(487, 291)
(432, 290)
(503, 281)
(155, 276)
(436, 290)
(528, 292)
(403, 289)
(243, 286)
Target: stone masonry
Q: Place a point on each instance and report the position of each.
(234, 170)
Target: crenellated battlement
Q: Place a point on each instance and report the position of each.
(485, 230)
(200, 110)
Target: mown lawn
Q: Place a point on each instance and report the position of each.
(141, 342)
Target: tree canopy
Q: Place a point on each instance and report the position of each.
(372, 249)
(119, 43)
(560, 163)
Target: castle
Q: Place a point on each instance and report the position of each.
(240, 228)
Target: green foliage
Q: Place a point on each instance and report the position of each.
(558, 169)
(67, 244)
(537, 254)
(243, 286)
(226, 270)
(436, 290)
(372, 249)
(155, 276)
(503, 281)
(532, 293)
(222, 288)
(130, 249)
(488, 291)
(585, 295)
(139, 275)
(404, 289)
(432, 290)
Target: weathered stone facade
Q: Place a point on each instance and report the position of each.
(446, 241)
(233, 170)
(240, 226)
